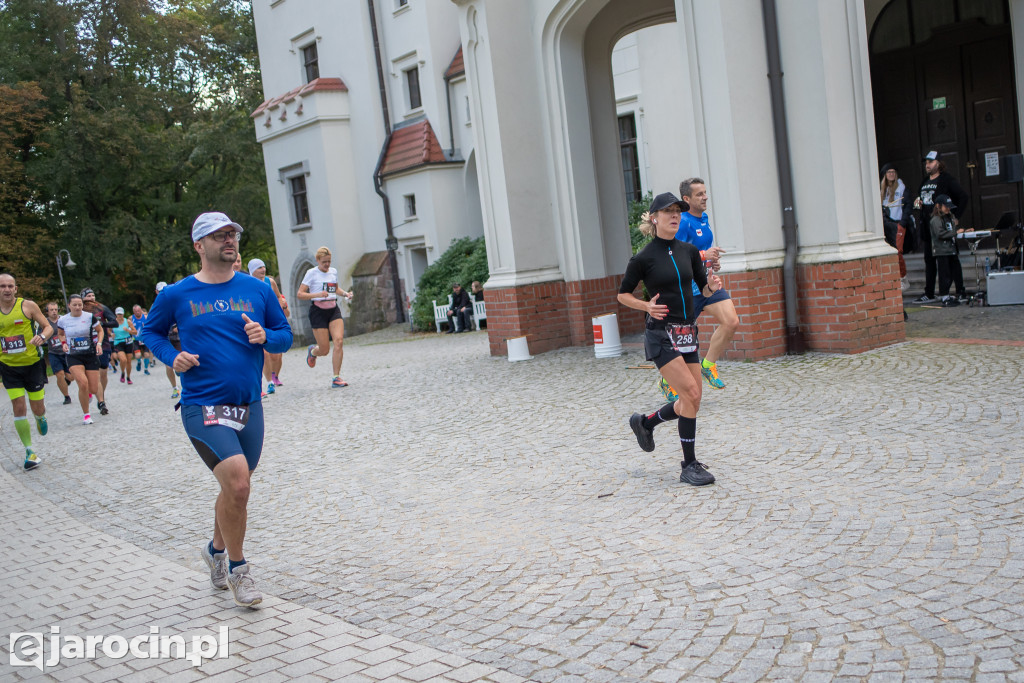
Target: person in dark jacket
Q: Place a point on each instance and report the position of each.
(943, 239)
(938, 182)
(461, 310)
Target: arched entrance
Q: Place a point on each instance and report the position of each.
(301, 329)
(942, 78)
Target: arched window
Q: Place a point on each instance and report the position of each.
(903, 23)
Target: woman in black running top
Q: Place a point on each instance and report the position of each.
(667, 267)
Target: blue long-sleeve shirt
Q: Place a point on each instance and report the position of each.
(210, 325)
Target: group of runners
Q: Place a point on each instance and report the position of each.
(223, 331)
(677, 268)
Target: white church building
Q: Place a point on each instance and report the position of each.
(392, 127)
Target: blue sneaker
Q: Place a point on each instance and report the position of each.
(271, 388)
(667, 391)
(41, 425)
(711, 375)
(31, 459)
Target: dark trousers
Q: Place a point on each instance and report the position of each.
(929, 266)
(463, 316)
(950, 271)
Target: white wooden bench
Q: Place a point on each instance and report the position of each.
(441, 313)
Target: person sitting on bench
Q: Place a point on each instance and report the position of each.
(461, 310)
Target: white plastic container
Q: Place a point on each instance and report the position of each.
(607, 343)
(517, 349)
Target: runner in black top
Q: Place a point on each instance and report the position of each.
(667, 267)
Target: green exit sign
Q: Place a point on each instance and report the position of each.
(938, 103)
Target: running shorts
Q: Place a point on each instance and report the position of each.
(321, 318)
(659, 349)
(125, 347)
(58, 362)
(89, 361)
(215, 443)
(104, 358)
(700, 301)
(31, 378)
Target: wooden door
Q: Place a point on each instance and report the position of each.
(991, 128)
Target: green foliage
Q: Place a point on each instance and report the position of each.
(637, 209)
(464, 262)
(146, 124)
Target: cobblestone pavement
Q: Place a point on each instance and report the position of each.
(866, 523)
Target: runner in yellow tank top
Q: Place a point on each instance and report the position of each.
(22, 367)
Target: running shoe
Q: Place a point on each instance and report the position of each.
(696, 474)
(31, 459)
(138, 365)
(146, 371)
(122, 378)
(87, 419)
(243, 588)
(67, 401)
(175, 393)
(338, 382)
(218, 565)
(666, 390)
(924, 299)
(263, 394)
(644, 436)
(270, 388)
(129, 382)
(310, 358)
(102, 405)
(275, 380)
(711, 375)
(41, 425)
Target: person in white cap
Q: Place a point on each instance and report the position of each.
(172, 337)
(272, 361)
(936, 182)
(225, 321)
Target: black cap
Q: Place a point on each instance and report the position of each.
(888, 167)
(665, 200)
(87, 291)
(945, 200)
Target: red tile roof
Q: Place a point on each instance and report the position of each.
(315, 85)
(457, 67)
(412, 146)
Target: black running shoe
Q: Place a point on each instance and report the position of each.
(696, 475)
(67, 401)
(644, 436)
(103, 408)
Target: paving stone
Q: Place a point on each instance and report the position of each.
(864, 524)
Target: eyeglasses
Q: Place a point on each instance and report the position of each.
(224, 236)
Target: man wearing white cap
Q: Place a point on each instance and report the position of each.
(225, 322)
(172, 337)
(272, 361)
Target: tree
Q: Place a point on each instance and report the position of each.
(145, 125)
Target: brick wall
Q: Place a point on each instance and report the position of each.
(555, 314)
(844, 307)
(851, 306)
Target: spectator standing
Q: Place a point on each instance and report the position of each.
(938, 182)
(943, 239)
(897, 214)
